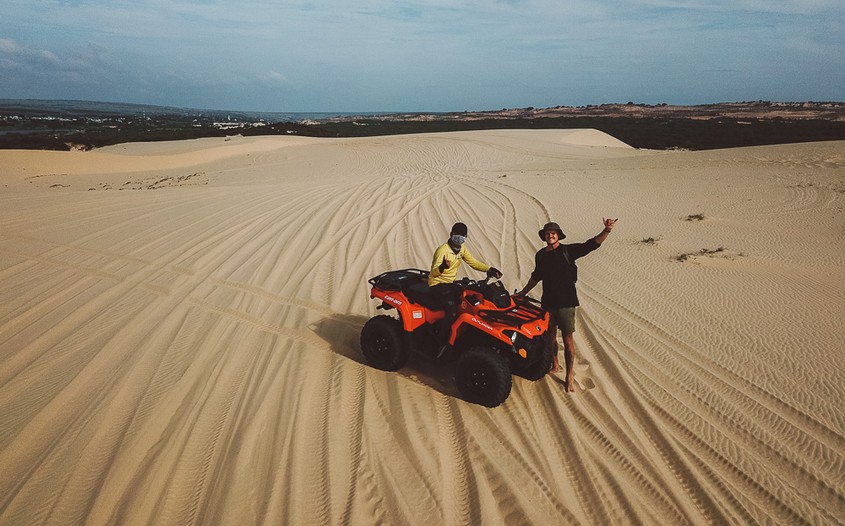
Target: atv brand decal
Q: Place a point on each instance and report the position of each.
(392, 300)
(481, 323)
(417, 314)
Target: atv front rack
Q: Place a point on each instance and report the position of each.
(527, 309)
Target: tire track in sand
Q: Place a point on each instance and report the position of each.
(460, 504)
(497, 447)
(701, 365)
(661, 446)
(356, 267)
(353, 409)
(655, 419)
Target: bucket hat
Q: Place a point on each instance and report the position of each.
(551, 226)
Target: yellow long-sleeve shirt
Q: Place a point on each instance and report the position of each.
(435, 277)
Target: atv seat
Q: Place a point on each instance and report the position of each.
(411, 282)
(420, 293)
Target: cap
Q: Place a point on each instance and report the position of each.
(459, 229)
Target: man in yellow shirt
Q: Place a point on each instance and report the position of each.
(444, 270)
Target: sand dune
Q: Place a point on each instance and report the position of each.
(179, 331)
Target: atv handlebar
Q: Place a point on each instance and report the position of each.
(527, 298)
(466, 283)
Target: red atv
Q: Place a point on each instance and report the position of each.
(494, 334)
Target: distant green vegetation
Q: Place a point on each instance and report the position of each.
(62, 125)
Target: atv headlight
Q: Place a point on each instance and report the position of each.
(520, 343)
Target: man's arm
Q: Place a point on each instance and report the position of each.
(608, 226)
(533, 280)
(527, 288)
(439, 262)
(474, 263)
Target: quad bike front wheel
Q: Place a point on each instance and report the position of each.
(539, 368)
(483, 376)
(383, 343)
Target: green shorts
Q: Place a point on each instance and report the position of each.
(563, 318)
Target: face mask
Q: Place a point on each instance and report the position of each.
(459, 240)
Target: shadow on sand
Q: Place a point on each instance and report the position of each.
(343, 332)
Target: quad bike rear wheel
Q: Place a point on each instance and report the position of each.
(483, 376)
(383, 343)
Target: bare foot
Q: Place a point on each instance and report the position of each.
(569, 385)
(555, 369)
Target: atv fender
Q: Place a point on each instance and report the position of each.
(468, 319)
(413, 316)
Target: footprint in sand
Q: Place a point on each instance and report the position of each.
(583, 382)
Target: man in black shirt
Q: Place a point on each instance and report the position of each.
(554, 265)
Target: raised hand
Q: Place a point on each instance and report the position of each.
(444, 265)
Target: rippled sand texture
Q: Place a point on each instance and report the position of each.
(179, 334)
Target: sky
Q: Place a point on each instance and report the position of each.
(421, 55)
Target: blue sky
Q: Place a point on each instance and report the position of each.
(426, 55)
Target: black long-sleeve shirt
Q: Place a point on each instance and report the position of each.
(558, 272)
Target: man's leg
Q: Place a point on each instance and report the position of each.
(447, 294)
(569, 357)
(566, 320)
(450, 314)
(551, 340)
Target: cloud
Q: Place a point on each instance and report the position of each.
(8, 46)
(410, 54)
(32, 72)
(18, 54)
(734, 6)
(276, 78)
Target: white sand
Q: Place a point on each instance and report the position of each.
(179, 331)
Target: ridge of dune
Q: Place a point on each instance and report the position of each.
(591, 137)
(575, 137)
(141, 157)
(560, 137)
(187, 352)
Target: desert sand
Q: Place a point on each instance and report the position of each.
(179, 330)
